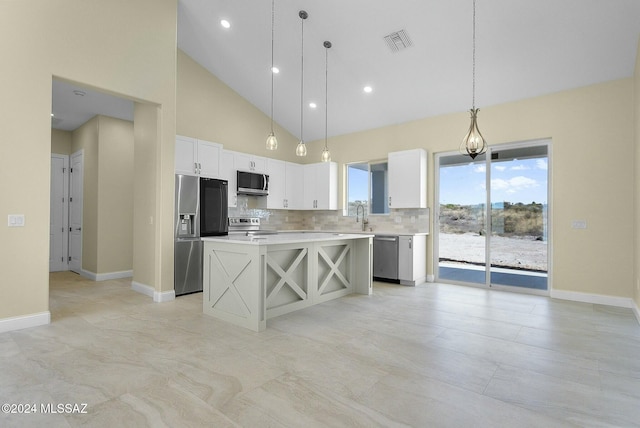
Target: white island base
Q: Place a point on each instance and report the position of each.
(247, 280)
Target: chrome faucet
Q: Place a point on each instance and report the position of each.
(365, 222)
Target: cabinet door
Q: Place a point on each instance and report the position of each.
(326, 186)
(228, 172)
(294, 192)
(185, 155)
(408, 179)
(321, 186)
(242, 161)
(309, 187)
(209, 159)
(405, 258)
(277, 184)
(259, 164)
(245, 162)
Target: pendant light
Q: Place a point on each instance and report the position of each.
(272, 141)
(326, 155)
(473, 143)
(301, 149)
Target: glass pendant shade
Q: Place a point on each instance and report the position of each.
(473, 143)
(326, 155)
(272, 142)
(301, 149)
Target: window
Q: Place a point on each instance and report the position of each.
(367, 186)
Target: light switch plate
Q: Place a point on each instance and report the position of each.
(16, 220)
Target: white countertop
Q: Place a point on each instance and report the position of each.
(286, 237)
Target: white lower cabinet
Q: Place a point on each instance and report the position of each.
(412, 259)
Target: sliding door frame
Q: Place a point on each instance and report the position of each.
(436, 222)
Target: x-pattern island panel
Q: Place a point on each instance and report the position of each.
(248, 279)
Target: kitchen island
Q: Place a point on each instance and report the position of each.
(248, 279)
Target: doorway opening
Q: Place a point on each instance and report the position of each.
(492, 218)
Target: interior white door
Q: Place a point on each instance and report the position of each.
(59, 215)
(75, 212)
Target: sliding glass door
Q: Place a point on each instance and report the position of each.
(462, 219)
(492, 227)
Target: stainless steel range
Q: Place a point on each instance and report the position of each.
(248, 226)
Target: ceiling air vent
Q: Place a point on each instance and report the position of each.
(398, 41)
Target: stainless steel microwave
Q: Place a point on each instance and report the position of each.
(252, 183)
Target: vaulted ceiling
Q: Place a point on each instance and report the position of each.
(524, 49)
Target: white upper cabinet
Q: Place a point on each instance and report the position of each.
(245, 162)
(228, 172)
(408, 179)
(286, 185)
(294, 185)
(321, 186)
(277, 198)
(197, 157)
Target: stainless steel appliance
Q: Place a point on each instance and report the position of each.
(195, 211)
(248, 226)
(385, 257)
(213, 207)
(252, 183)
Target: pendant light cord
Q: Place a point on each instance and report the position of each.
(272, 26)
(326, 91)
(302, 78)
(473, 91)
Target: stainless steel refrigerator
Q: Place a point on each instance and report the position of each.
(199, 203)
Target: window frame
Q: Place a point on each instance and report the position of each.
(369, 164)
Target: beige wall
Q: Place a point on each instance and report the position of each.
(115, 195)
(144, 231)
(636, 81)
(208, 109)
(60, 142)
(86, 138)
(592, 174)
(124, 47)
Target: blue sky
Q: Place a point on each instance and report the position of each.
(511, 181)
(358, 185)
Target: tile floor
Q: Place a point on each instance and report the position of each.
(429, 356)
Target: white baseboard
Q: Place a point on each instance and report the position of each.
(147, 290)
(114, 275)
(106, 276)
(598, 299)
(25, 321)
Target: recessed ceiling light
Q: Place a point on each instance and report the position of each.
(275, 70)
(225, 23)
(368, 89)
(313, 105)
(51, 114)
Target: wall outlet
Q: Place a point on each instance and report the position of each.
(398, 219)
(578, 224)
(16, 220)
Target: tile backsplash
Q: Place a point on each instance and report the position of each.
(398, 221)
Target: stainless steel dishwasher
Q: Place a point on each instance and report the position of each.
(385, 257)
